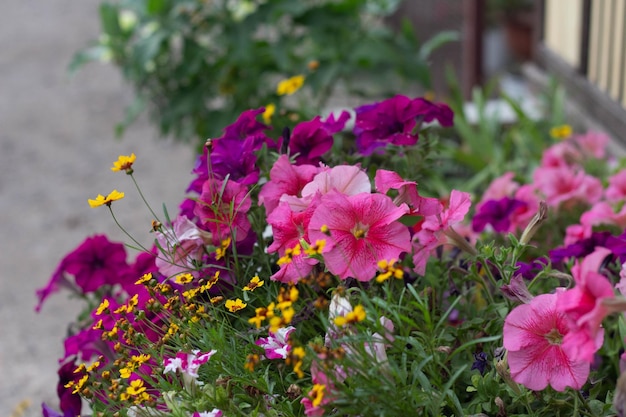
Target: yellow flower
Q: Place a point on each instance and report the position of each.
(289, 255)
(317, 394)
(144, 278)
(235, 305)
(136, 387)
(261, 315)
(185, 278)
(358, 314)
(388, 270)
(561, 132)
(100, 200)
(124, 163)
(253, 284)
(290, 85)
(252, 360)
(104, 305)
(317, 248)
(270, 109)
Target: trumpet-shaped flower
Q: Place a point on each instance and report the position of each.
(183, 245)
(187, 363)
(312, 139)
(363, 229)
(583, 307)
(276, 345)
(533, 336)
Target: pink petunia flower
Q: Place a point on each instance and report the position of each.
(533, 336)
(407, 193)
(564, 186)
(276, 344)
(363, 230)
(583, 307)
(616, 190)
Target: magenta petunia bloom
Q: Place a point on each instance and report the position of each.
(233, 153)
(498, 214)
(222, 208)
(533, 336)
(94, 263)
(313, 138)
(407, 193)
(392, 121)
(363, 230)
(277, 345)
(187, 363)
(583, 307)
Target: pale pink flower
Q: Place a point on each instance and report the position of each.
(616, 190)
(565, 186)
(345, 179)
(276, 345)
(592, 143)
(604, 213)
(183, 245)
(363, 230)
(561, 154)
(533, 334)
(407, 193)
(583, 307)
(621, 285)
(285, 179)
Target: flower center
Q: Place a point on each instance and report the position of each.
(554, 337)
(359, 230)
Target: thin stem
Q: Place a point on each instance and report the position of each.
(144, 198)
(126, 232)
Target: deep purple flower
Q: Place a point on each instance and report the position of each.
(480, 362)
(49, 412)
(97, 262)
(529, 270)
(582, 248)
(234, 152)
(70, 403)
(313, 138)
(497, 213)
(393, 120)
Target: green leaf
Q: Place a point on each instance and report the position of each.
(437, 41)
(98, 53)
(109, 20)
(155, 7)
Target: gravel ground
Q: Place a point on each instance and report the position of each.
(56, 148)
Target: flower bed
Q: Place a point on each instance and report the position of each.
(307, 274)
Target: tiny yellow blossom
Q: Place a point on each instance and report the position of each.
(290, 253)
(270, 109)
(235, 305)
(254, 283)
(317, 394)
(561, 132)
(221, 251)
(388, 270)
(100, 200)
(124, 163)
(290, 85)
(317, 248)
(324, 229)
(104, 305)
(136, 387)
(261, 315)
(185, 278)
(354, 316)
(144, 278)
(252, 360)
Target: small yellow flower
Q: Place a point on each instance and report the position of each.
(388, 270)
(290, 85)
(261, 315)
(317, 394)
(254, 283)
(235, 305)
(252, 360)
(324, 229)
(100, 200)
(104, 305)
(354, 316)
(561, 132)
(221, 251)
(136, 387)
(289, 255)
(270, 109)
(124, 163)
(185, 278)
(317, 248)
(144, 278)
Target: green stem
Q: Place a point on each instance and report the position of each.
(126, 232)
(144, 198)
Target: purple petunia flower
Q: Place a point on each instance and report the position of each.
(497, 213)
(582, 248)
(70, 403)
(313, 138)
(392, 121)
(234, 152)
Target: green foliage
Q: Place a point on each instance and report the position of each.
(195, 65)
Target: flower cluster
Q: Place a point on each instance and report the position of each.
(306, 274)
